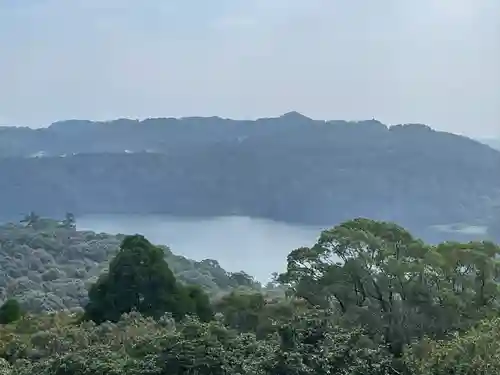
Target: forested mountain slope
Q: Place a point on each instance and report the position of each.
(289, 168)
(47, 265)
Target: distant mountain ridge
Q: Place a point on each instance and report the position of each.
(492, 142)
(289, 168)
(67, 137)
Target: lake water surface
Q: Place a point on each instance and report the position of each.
(257, 246)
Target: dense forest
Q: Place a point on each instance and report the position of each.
(48, 264)
(331, 170)
(367, 298)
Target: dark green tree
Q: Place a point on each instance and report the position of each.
(10, 311)
(200, 303)
(140, 279)
(242, 311)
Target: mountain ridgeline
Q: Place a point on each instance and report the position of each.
(289, 168)
(494, 143)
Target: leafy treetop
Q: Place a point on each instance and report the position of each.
(140, 279)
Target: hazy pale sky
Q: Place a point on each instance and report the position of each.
(430, 61)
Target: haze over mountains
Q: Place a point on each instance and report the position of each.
(290, 168)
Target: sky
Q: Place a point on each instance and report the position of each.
(400, 61)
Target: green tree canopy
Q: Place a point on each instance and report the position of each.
(10, 311)
(473, 352)
(139, 279)
(400, 289)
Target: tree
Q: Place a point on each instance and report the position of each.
(242, 311)
(473, 352)
(312, 343)
(243, 279)
(200, 302)
(10, 311)
(139, 279)
(69, 221)
(400, 289)
(31, 219)
(246, 311)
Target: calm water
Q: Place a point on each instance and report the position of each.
(257, 246)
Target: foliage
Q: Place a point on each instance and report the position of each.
(474, 352)
(49, 265)
(10, 311)
(367, 299)
(51, 344)
(139, 279)
(400, 289)
(5, 368)
(254, 312)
